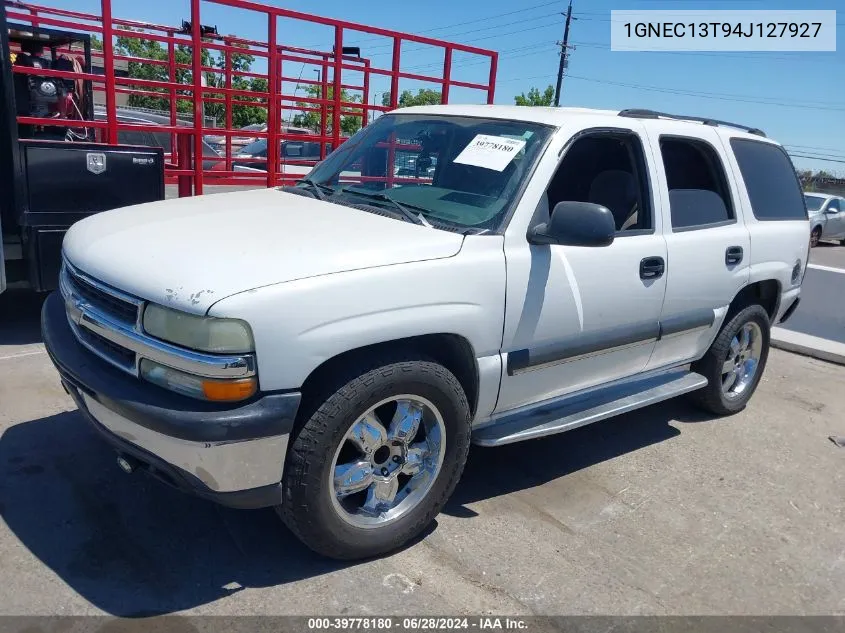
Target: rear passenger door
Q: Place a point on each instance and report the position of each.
(707, 242)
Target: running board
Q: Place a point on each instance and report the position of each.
(586, 407)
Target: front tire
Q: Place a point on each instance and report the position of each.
(734, 363)
(377, 459)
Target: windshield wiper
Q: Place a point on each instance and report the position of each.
(405, 209)
(320, 190)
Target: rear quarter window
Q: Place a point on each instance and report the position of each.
(771, 181)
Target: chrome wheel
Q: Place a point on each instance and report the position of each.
(388, 461)
(740, 367)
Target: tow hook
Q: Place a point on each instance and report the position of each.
(127, 464)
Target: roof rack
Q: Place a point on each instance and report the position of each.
(637, 113)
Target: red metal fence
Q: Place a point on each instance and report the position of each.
(278, 58)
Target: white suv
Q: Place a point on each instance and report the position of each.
(333, 349)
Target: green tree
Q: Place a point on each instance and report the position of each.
(535, 98)
(424, 96)
(350, 121)
(154, 50)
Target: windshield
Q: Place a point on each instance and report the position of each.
(458, 172)
(814, 203)
(256, 147)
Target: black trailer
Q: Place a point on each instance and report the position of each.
(52, 177)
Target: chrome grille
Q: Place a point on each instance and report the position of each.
(105, 304)
(114, 353)
(111, 303)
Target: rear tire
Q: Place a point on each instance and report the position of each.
(815, 236)
(734, 363)
(363, 425)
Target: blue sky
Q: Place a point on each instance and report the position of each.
(797, 98)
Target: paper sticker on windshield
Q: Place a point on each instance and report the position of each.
(490, 152)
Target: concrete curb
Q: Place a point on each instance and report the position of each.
(806, 345)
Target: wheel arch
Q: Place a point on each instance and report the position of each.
(453, 351)
(765, 292)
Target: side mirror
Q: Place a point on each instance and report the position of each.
(832, 211)
(576, 224)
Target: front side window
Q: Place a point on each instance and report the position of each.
(833, 207)
(814, 203)
(698, 188)
(459, 173)
(606, 169)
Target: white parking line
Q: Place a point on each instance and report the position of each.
(829, 269)
(22, 354)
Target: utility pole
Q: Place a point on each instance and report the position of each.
(564, 54)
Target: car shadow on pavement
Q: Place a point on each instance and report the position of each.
(20, 317)
(128, 544)
(491, 472)
(134, 547)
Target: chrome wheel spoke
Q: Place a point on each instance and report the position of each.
(730, 380)
(745, 338)
(368, 434)
(352, 477)
(393, 472)
(736, 348)
(415, 460)
(380, 496)
(406, 422)
(740, 369)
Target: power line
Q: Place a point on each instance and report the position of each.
(711, 95)
(803, 148)
(820, 155)
(475, 21)
(476, 39)
(531, 48)
(829, 160)
(762, 57)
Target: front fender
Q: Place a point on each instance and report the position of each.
(299, 325)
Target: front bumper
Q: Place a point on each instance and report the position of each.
(232, 454)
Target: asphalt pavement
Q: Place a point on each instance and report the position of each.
(821, 312)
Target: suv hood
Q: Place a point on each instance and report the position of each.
(190, 252)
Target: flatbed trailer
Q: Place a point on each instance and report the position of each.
(86, 166)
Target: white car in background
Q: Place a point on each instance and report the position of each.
(827, 217)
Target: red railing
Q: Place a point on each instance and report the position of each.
(191, 174)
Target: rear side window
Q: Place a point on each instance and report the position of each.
(773, 187)
(699, 197)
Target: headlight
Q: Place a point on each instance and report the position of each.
(197, 386)
(206, 334)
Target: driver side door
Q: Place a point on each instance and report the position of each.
(835, 219)
(578, 317)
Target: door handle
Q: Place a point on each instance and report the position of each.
(652, 268)
(733, 255)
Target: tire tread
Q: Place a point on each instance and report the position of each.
(710, 398)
